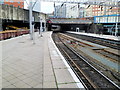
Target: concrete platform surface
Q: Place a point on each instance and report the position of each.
(111, 37)
(39, 65)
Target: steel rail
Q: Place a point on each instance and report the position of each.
(89, 65)
(105, 42)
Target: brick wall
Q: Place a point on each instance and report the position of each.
(15, 3)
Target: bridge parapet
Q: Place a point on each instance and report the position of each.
(70, 21)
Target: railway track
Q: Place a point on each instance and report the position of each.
(112, 56)
(107, 54)
(89, 76)
(105, 42)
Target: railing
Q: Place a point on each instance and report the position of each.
(71, 21)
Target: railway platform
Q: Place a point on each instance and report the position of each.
(98, 35)
(39, 65)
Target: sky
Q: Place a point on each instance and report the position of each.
(46, 7)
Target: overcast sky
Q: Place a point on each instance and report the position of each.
(46, 7)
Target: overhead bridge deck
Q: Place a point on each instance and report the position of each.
(69, 21)
(69, 24)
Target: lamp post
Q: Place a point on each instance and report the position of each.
(40, 31)
(33, 31)
(116, 26)
(45, 26)
(30, 20)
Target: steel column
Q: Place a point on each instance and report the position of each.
(30, 19)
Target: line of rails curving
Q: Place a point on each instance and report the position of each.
(88, 74)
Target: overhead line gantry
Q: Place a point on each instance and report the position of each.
(111, 3)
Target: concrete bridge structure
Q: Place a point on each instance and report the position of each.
(9, 13)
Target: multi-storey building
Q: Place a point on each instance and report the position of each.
(15, 3)
(99, 10)
(72, 11)
(81, 12)
(88, 11)
(104, 10)
(60, 11)
(66, 11)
